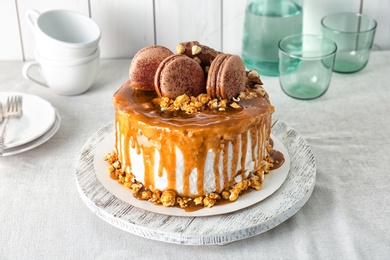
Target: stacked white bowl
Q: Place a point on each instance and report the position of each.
(67, 50)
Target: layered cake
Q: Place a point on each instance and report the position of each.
(192, 128)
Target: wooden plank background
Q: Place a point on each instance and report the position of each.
(128, 25)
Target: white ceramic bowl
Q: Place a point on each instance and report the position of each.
(70, 77)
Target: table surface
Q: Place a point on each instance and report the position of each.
(42, 215)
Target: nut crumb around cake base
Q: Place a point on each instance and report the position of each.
(169, 198)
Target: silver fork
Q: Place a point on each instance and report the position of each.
(13, 109)
(1, 112)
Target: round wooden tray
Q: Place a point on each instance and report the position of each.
(210, 230)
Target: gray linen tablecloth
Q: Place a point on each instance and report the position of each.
(347, 217)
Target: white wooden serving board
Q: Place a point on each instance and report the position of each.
(210, 230)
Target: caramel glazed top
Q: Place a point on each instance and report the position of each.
(139, 105)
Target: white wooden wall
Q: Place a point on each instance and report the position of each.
(128, 25)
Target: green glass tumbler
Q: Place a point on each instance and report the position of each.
(306, 65)
(354, 35)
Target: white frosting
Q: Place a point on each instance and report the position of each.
(161, 182)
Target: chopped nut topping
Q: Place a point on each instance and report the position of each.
(253, 78)
(197, 60)
(253, 74)
(260, 91)
(180, 49)
(196, 50)
(235, 105)
(191, 105)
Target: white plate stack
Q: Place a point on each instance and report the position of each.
(38, 123)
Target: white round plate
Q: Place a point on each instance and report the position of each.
(37, 118)
(206, 230)
(36, 142)
(271, 183)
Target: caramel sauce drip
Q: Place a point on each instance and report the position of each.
(141, 127)
(278, 159)
(236, 150)
(244, 147)
(216, 171)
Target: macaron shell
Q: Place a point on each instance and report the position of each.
(178, 75)
(212, 76)
(144, 65)
(231, 77)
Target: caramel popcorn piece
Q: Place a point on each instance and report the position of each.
(209, 202)
(156, 196)
(198, 201)
(203, 98)
(135, 187)
(242, 185)
(146, 195)
(215, 196)
(116, 165)
(111, 158)
(213, 103)
(111, 168)
(222, 104)
(168, 198)
(127, 185)
(191, 110)
(255, 184)
(183, 202)
(234, 195)
(182, 99)
(225, 194)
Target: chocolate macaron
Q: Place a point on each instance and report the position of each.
(177, 75)
(226, 77)
(144, 66)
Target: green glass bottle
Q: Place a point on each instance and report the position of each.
(266, 23)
